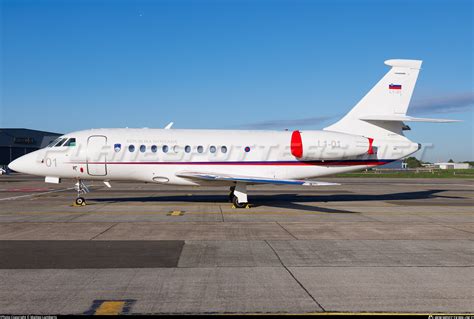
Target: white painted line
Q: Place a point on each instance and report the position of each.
(37, 194)
(432, 184)
(407, 184)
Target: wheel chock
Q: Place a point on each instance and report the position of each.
(75, 205)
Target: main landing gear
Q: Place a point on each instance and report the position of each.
(238, 196)
(81, 188)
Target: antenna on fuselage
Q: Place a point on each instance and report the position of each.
(170, 124)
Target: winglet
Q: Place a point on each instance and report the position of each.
(170, 124)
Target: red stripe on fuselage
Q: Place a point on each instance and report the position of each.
(269, 163)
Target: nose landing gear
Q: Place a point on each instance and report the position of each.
(81, 188)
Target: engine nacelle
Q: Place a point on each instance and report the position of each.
(325, 145)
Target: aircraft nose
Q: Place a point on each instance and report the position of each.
(20, 165)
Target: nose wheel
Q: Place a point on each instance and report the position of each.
(80, 201)
(81, 188)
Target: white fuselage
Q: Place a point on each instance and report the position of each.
(159, 155)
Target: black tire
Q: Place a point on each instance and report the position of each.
(231, 194)
(236, 203)
(80, 201)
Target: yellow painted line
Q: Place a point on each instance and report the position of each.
(176, 213)
(110, 308)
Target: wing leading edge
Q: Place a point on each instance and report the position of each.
(251, 179)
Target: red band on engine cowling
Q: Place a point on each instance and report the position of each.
(296, 144)
(370, 151)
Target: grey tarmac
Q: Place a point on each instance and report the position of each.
(369, 245)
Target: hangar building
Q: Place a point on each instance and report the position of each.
(452, 165)
(15, 142)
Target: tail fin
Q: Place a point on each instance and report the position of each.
(390, 97)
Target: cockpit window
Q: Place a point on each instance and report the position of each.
(53, 142)
(61, 142)
(70, 142)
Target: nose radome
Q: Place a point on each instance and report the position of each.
(21, 164)
(15, 165)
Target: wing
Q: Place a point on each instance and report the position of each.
(251, 179)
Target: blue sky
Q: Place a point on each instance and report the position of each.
(71, 65)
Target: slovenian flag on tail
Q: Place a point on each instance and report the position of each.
(394, 86)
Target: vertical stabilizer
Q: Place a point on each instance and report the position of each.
(389, 97)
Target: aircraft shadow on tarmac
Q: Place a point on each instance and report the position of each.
(285, 200)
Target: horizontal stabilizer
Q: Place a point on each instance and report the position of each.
(251, 180)
(401, 63)
(404, 118)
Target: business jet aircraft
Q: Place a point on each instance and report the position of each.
(370, 134)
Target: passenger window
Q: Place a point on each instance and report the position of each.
(165, 148)
(224, 149)
(212, 149)
(117, 147)
(142, 148)
(154, 148)
(187, 149)
(176, 148)
(131, 148)
(61, 142)
(200, 149)
(71, 142)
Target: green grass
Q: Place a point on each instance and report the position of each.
(435, 173)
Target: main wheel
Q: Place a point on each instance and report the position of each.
(80, 201)
(236, 203)
(231, 194)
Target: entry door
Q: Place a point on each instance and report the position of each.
(97, 155)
